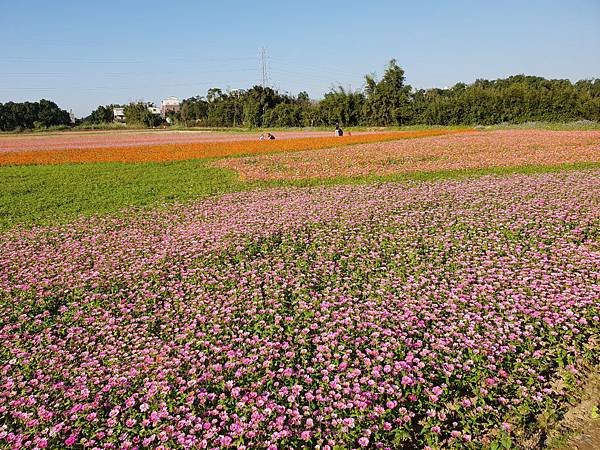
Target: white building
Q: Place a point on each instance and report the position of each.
(169, 104)
(119, 114)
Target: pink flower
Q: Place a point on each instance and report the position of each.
(490, 381)
(406, 380)
(363, 441)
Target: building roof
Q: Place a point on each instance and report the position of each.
(170, 101)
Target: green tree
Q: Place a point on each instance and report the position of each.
(194, 111)
(27, 115)
(137, 113)
(341, 107)
(388, 100)
(102, 114)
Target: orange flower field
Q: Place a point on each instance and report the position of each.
(201, 150)
(476, 150)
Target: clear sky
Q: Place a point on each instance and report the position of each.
(85, 53)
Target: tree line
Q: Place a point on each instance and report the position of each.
(31, 115)
(387, 101)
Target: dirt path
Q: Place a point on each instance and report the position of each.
(583, 420)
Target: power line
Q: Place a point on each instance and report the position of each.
(264, 69)
(28, 59)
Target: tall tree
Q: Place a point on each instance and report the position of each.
(388, 100)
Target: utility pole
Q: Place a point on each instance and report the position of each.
(263, 66)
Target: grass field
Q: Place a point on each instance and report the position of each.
(43, 195)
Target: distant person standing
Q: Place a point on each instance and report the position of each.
(338, 130)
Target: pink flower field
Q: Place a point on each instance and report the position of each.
(435, 315)
(479, 150)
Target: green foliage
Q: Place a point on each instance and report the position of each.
(388, 101)
(250, 108)
(138, 114)
(341, 107)
(283, 115)
(102, 114)
(391, 102)
(504, 443)
(303, 97)
(193, 110)
(30, 115)
(100, 126)
(57, 193)
(517, 99)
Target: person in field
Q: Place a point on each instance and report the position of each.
(270, 136)
(338, 130)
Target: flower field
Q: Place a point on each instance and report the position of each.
(152, 147)
(135, 138)
(504, 148)
(436, 315)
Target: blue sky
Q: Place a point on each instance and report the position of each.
(82, 53)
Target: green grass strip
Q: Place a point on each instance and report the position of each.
(54, 194)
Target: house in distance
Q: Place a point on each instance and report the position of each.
(169, 104)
